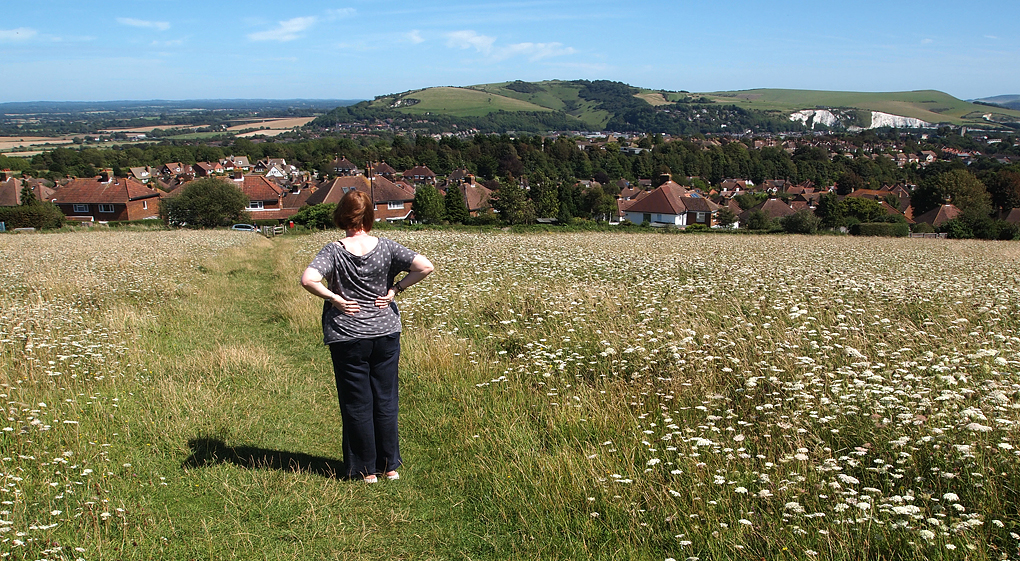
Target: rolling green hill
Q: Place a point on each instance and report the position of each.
(605, 105)
(928, 105)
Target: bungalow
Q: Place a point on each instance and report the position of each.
(939, 215)
(671, 204)
(392, 200)
(773, 208)
(106, 198)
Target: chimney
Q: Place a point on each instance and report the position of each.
(238, 175)
(104, 177)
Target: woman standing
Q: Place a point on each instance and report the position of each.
(361, 325)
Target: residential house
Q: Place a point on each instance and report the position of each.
(477, 197)
(206, 169)
(106, 198)
(143, 174)
(392, 200)
(383, 169)
(671, 204)
(939, 215)
(265, 197)
(342, 167)
(11, 187)
(420, 175)
(773, 208)
(171, 169)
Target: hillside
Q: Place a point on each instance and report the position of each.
(614, 106)
(927, 105)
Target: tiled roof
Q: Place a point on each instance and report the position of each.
(671, 198)
(381, 188)
(476, 196)
(773, 208)
(939, 215)
(258, 188)
(416, 171)
(118, 190)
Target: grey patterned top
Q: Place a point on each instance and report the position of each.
(361, 278)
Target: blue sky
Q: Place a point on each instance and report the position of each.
(183, 49)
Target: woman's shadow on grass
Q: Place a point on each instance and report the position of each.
(211, 451)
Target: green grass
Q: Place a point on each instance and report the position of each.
(585, 395)
(464, 102)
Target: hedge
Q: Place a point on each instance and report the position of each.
(38, 216)
(886, 229)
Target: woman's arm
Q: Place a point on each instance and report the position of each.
(311, 280)
(420, 268)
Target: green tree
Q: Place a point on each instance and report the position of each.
(318, 217)
(546, 197)
(726, 217)
(1004, 188)
(428, 205)
(758, 220)
(205, 203)
(801, 222)
(27, 196)
(860, 209)
(959, 187)
(456, 210)
(848, 183)
(512, 204)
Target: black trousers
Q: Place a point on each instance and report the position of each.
(366, 383)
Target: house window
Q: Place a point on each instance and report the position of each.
(256, 205)
(106, 208)
(395, 206)
(81, 208)
(646, 217)
(700, 217)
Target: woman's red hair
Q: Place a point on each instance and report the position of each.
(355, 212)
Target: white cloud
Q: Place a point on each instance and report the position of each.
(19, 34)
(487, 46)
(470, 40)
(160, 25)
(927, 41)
(285, 31)
(534, 51)
(993, 37)
(340, 13)
(414, 36)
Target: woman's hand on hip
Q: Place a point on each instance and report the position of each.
(385, 299)
(349, 307)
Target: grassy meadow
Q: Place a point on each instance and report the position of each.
(564, 396)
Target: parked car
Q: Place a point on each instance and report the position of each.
(245, 227)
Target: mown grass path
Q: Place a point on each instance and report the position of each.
(243, 416)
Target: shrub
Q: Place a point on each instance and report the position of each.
(41, 216)
(923, 228)
(801, 222)
(205, 203)
(318, 217)
(884, 229)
